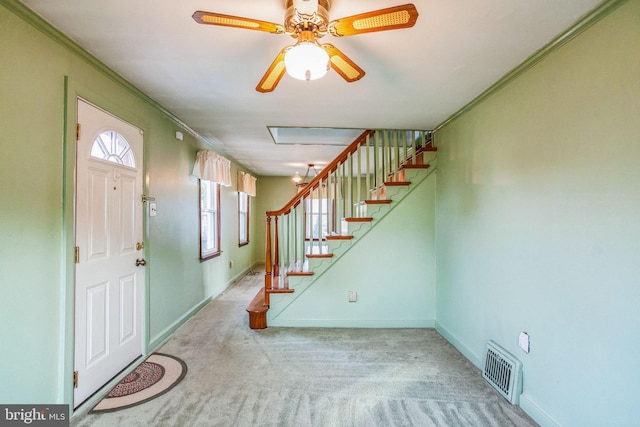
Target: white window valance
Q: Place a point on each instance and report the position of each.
(246, 183)
(210, 166)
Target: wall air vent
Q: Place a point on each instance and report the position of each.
(503, 372)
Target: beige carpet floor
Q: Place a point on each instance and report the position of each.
(313, 377)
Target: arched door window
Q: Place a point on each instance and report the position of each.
(113, 147)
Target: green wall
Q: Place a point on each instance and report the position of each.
(41, 74)
(538, 226)
(274, 193)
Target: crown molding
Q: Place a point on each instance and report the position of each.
(576, 29)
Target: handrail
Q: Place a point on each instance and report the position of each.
(336, 196)
(323, 174)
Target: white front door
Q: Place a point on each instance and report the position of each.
(109, 285)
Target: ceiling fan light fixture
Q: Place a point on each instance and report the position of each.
(306, 61)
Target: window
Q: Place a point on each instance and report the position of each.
(243, 218)
(113, 147)
(209, 219)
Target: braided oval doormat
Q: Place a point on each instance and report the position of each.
(152, 378)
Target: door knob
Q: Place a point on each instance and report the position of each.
(140, 261)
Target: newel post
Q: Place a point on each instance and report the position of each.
(267, 275)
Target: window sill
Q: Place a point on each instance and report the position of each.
(211, 255)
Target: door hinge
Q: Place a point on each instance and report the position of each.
(75, 379)
(76, 255)
(77, 131)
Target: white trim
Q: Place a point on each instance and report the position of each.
(534, 411)
(352, 323)
(466, 352)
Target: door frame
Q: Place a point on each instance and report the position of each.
(73, 91)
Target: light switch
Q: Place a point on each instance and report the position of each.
(353, 296)
(152, 209)
(523, 341)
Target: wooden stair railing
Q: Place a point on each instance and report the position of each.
(337, 196)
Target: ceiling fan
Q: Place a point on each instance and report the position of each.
(308, 21)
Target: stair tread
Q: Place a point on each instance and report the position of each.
(396, 183)
(427, 148)
(300, 273)
(415, 166)
(339, 237)
(359, 219)
(280, 291)
(378, 202)
(318, 255)
(257, 304)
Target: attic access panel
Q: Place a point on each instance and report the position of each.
(313, 136)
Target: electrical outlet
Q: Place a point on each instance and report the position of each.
(353, 296)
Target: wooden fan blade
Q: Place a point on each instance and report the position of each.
(274, 74)
(237, 22)
(392, 18)
(342, 64)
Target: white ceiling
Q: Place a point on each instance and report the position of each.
(206, 75)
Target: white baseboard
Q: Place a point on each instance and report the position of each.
(350, 323)
(473, 357)
(535, 412)
(163, 336)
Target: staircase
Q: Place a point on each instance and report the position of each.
(339, 206)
